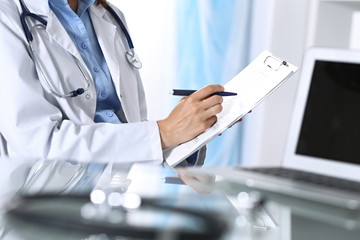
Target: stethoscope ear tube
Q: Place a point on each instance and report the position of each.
(27, 13)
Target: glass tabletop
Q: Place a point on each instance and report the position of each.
(43, 199)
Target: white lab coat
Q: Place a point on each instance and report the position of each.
(36, 124)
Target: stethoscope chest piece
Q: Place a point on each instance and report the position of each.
(133, 59)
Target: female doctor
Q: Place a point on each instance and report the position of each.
(70, 87)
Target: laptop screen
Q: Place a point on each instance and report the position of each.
(330, 127)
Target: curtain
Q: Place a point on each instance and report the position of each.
(213, 45)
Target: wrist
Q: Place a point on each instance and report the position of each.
(164, 134)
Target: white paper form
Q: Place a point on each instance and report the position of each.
(252, 85)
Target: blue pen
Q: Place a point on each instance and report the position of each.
(180, 92)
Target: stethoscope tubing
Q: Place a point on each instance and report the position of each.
(122, 26)
(26, 13)
(130, 54)
(73, 93)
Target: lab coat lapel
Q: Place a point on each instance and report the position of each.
(114, 47)
(105, 32)
(53, 27)
(60, 35)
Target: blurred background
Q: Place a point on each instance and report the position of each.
(191, 43)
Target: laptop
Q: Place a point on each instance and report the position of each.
(322, 157)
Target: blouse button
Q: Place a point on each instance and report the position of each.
(104, 93)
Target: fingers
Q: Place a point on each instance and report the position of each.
(209, 122)
(207, 105)
(212, 101)
(206, 124)
(182, 99)
(213, 110)
(211, 105)
(207, 91)
(207, 108)
(191, 116)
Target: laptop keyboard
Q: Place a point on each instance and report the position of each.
(307, 177)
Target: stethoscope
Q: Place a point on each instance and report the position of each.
(132, 58)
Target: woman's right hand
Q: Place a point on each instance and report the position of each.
(191, 116)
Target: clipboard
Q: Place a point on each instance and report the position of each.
(253, 84)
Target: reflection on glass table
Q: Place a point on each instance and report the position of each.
(75, 200)
(295, 217)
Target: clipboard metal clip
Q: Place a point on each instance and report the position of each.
(274, 63)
